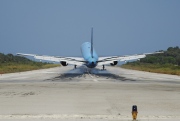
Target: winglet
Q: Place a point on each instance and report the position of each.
(92, 42)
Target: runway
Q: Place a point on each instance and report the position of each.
(64, 93)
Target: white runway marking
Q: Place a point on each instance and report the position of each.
(91, 117)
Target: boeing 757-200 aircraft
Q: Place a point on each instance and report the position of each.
(90, 57)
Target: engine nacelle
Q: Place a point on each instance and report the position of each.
(63, 63)
(114, 63)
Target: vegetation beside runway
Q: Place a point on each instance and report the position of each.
(10, 64)
(157, 68)
(166, 63)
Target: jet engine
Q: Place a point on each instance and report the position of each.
(63, 63)
(114, 63)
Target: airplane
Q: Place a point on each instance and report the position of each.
(89, 57)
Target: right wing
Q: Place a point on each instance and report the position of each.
(69, 60)
(112, 59)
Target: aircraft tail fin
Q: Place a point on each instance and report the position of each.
(92, 42)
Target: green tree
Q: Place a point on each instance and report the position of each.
(178, 60)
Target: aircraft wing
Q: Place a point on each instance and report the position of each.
(109, 60)
(70, 60)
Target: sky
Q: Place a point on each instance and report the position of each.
(59, 27)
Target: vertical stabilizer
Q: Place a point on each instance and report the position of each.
(92, 42)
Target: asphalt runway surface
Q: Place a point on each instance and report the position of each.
(67, 94)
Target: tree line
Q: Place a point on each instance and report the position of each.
(9, 59)
(170, 56)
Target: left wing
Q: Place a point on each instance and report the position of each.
(69, 60)
(112, 59)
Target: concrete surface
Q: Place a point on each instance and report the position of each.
(63, 93)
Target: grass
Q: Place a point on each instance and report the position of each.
(157, 68)
(18, 67)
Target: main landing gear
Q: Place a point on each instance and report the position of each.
(103, 67)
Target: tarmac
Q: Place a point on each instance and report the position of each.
(67, 94)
